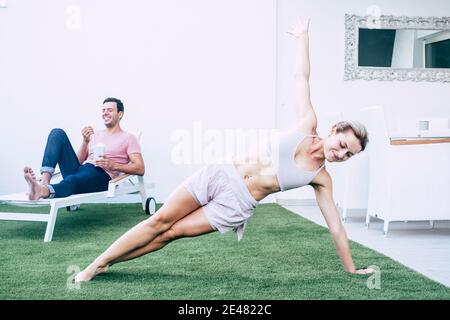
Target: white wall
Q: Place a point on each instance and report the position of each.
(177, 61)
(329, 92)
(172, 62)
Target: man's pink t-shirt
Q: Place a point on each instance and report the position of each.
(118, 147)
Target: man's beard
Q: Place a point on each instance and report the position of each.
(110, 124)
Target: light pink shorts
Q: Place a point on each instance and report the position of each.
(225, 198)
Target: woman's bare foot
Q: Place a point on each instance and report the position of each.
(90, 273)
(35, 190)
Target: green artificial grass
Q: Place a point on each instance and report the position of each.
(282, 256)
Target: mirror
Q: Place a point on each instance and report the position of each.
(403, 48)
(397, 48)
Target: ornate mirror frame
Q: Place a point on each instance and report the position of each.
(353, 71)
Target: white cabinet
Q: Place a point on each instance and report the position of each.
(406, 182)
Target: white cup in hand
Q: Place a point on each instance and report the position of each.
(99, 151)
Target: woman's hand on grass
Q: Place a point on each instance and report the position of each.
(363, 271)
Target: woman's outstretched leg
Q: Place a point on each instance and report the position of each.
(192, 225)
(179, 204)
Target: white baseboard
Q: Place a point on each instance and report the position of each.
(297, 202)
(313, 202)
(354, 210)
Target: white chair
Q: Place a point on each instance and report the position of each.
(350, 178)
(122, 185)
(407, 182)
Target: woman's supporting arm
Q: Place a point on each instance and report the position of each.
(324, 196)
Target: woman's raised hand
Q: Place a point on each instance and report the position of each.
(300, 27)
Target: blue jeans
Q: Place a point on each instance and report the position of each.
(77, 178)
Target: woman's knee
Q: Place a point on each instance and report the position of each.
(160, 222)
(169, 235)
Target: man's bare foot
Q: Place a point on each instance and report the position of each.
(90, 273)
(35, 190)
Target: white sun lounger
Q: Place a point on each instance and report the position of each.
(124, 184)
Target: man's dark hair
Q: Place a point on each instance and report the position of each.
(117, 101)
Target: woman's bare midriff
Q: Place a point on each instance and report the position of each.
(259, 178)
(259, 174)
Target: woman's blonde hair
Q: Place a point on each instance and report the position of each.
(358, 129)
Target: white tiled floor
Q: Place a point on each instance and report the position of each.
(413, 244)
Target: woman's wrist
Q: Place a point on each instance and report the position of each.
(351, 269)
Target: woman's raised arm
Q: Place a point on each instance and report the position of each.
(306, 116)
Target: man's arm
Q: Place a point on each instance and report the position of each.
(306, 116)
(135, 166)
(324, 196)
(83, 151)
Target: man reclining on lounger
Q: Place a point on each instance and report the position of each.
(80, 172)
